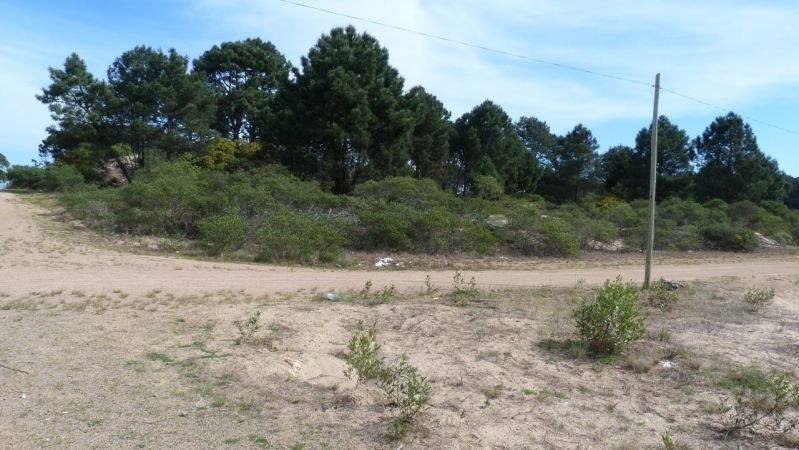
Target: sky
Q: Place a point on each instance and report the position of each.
(740, 56)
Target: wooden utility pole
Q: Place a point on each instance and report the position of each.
(653, 175)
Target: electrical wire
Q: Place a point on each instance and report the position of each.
(469, 44)
(529, 58)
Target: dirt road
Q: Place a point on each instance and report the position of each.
(106, 349)
(36, 256)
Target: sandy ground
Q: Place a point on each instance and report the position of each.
(137, 351)
(34, 257)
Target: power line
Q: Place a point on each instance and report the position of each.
(469, 44)
(530, 58)
(750, 119)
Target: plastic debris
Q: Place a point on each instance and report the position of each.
(330, 296)
(668, 364)
(382, 262)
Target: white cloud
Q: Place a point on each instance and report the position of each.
(732, 53)
(724, 52)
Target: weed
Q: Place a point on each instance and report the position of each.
(757, 298)
(575, 349)
(762, 401)
(386, 294)
(248, 327)
(95, 422)
(430, 288)
(367, 288)
(408, 391)
(362, 358)
(638, 363)
(260, 441)
(153, 356)
(612, 320)
(661, 296)
(462, 292)
(218, 402)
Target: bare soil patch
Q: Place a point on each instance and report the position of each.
(138, 351)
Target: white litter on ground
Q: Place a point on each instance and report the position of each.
(382, 262)
(668, 364)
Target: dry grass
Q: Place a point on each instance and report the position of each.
(492, 376)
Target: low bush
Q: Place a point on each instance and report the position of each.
(405, 387)
(363, 360)
(462, 291)
(720, 236)
(757, 298)
(762, 405)
(247, 328)
(222, 233)
(26, 177)
(294, 236)
(557, 238)
(534, 233)
(408, 391)
(62, 179)
(661, 296)
(612, 320)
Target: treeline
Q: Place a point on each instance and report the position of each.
(344, 117)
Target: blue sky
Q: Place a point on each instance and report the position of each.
(739, 55)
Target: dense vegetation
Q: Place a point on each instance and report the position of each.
(272, 215)
(251, 155)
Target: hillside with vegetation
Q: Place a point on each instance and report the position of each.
(259, 160)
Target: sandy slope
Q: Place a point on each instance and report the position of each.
(33, 258)
(111, 362)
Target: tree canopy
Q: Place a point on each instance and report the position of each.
(245, 76)
(346, 113)
(486, 144)
(344, 117)
(3, 167)
(731, 165)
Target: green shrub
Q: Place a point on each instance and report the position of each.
(682, 212)
(721, 236)
(437, 231)
(248, 327)
(168, 199)
(301, 237)
(762, 405)
(63, 179)
(387, 226)
(612, 320)
(26, 177)
(408, 391)
(557, 238)
(222, 233)
(362, 359)
(670, 236)
(462, 291)
(757, 298)
(419, 194)
(661, 296)
(487, 187)
(533, 233)
(477, 238)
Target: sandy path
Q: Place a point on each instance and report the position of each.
(34, 257)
